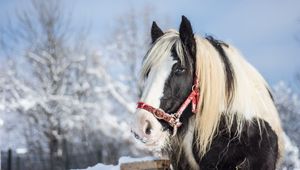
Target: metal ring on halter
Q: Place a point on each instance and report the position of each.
(176, 125)
(194, 87)
(174, 131)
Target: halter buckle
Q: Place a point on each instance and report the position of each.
(156, 113)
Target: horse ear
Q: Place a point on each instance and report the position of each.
(156, 32)
(187, 36)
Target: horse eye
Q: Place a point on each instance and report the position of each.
(179, 70)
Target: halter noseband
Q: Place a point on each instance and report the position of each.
(174, 119)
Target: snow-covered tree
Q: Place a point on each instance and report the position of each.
(49, 88)
(59, 92)
(63, 96)
(288, 104)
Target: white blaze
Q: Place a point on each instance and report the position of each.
(152, 93)
(154, 85)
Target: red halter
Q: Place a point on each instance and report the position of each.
(174, 119)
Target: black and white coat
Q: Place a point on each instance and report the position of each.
(236, 126)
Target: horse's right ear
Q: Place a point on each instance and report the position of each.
(156, 32)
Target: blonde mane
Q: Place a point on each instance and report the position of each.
(250, 100)
(250, 96)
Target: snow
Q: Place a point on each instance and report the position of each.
(104, 167)
(21, 150)
(1, 122)
(26, 104)
(288, 105)
(124, 159)
(291, 157)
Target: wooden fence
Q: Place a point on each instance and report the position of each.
(147, 165)
(10, 160)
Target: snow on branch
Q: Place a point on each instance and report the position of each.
(110, 85)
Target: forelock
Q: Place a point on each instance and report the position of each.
(161, 49)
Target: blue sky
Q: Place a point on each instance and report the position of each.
(264, 31)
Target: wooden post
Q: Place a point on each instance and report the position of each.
(163, 164)
(66, 154)
(9, 160)
(18, 162)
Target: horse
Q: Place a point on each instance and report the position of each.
(204, 105)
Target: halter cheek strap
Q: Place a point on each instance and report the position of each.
(174, 119)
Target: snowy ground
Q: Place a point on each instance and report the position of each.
(121, 160)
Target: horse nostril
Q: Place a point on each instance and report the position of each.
(148, 128)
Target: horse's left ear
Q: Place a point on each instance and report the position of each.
(187, 36)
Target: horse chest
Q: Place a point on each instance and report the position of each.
(254, 149)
